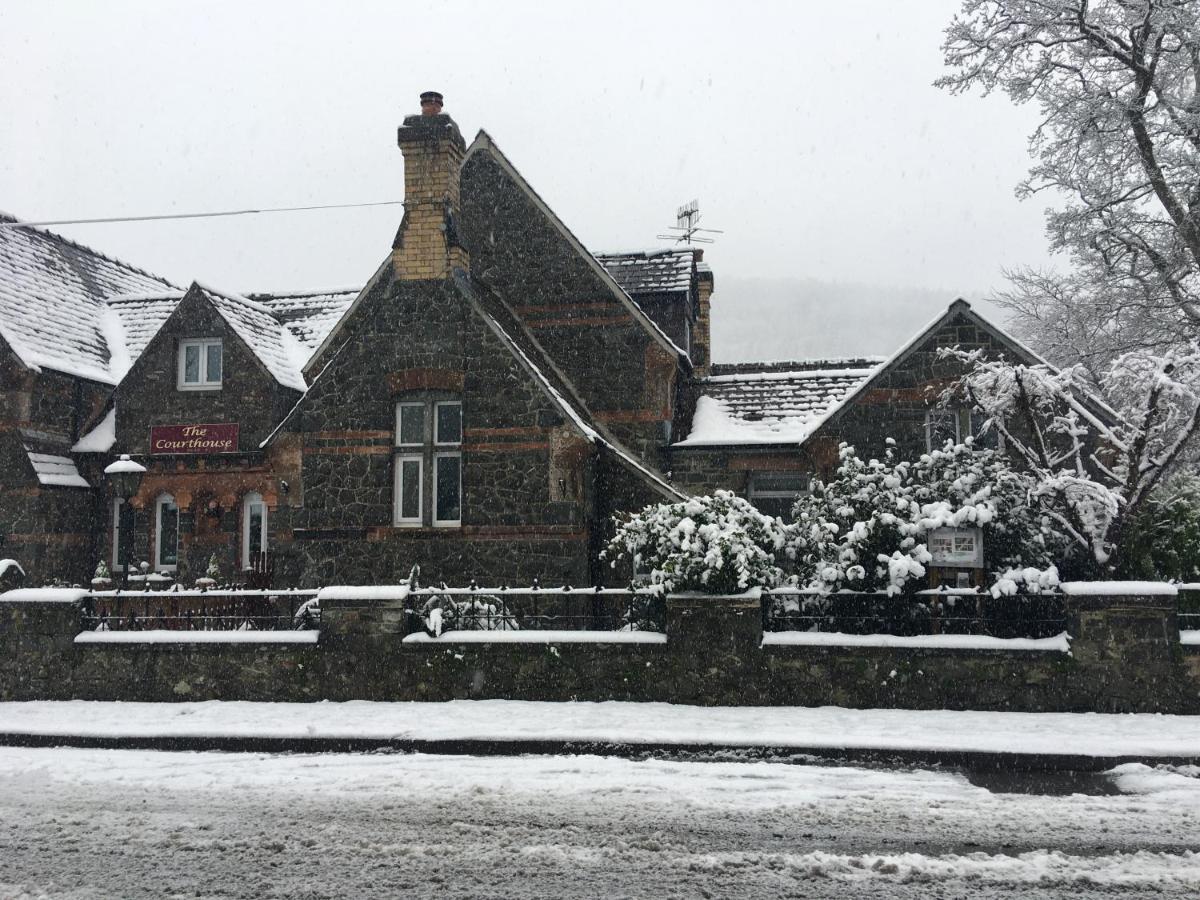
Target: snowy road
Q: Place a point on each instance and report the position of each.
(94, 823)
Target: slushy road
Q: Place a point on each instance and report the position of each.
(110, 823)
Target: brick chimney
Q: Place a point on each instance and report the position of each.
(427, 246)
(702, 334)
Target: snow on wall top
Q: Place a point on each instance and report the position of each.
(664, 271)
(771, 406)
(52, 300)
(309, 315)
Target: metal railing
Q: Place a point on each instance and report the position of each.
(216, 609)
(929, 612)
(473, 608)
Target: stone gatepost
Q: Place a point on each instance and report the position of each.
(37, 642)
(1125, 643)
(364, 614)
(713, 647)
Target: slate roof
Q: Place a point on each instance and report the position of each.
(309, 315)
(140, 316)
(276, 347)
(773, 403)
(52, 300)
(662, 271)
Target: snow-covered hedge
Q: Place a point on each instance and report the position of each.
(866, 529)
(718, 544)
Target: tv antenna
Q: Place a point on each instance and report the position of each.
(688, 227)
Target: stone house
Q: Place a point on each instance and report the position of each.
(482, 406)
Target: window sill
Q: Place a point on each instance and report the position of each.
(191, 388)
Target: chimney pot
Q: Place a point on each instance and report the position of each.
(431, 103)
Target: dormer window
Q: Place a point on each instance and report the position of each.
(200, 365)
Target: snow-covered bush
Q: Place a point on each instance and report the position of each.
(1096, 461)
(454, 612)
(717, 544)
(866, 529)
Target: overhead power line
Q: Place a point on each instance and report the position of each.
(199, 215)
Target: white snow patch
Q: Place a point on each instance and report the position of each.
(113, 332)
(1085, 734)
(153, 636)
(6, 564)
(55, 470)
(713, 424)
(1118, 588)
(539, 637)
(1058, 643)
(43, 595)
(101, 438)
(1191, 638)
(364, 592)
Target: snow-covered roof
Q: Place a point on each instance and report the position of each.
(52, 300)
(276, 348)
(774, 405)
(662, 271)
(101, 438)
(309, 315)
(52, 469)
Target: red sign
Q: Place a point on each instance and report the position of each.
(193, 439)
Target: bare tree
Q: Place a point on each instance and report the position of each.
(1118, 84)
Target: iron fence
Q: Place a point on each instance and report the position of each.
(929, 612)
(217, 609)
(437, 610)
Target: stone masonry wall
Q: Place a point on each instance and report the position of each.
(712, 656)
(591, 337)
(525, 511)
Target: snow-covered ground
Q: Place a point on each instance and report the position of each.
(99, 824)
(1085, 734)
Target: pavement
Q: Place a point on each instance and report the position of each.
(981, 741)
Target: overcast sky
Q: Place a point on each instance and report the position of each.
(809, 132)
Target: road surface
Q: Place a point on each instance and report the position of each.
(101, 823)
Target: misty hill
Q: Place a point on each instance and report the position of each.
(757, 319)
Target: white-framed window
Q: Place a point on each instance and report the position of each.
(122, 531)
(254, 528)
(775, 493)
(427, 477)
(942, 425)
(166, 534)
(201, 363)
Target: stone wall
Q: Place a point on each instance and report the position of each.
(1124, 658)
(518, 250)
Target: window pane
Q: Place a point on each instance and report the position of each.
(448, 488)
(449, 423)
(191, 364)
(213, 373)
(412, 423)
(258, 541)
(775, 483)
(410, 489)
(168, 534)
